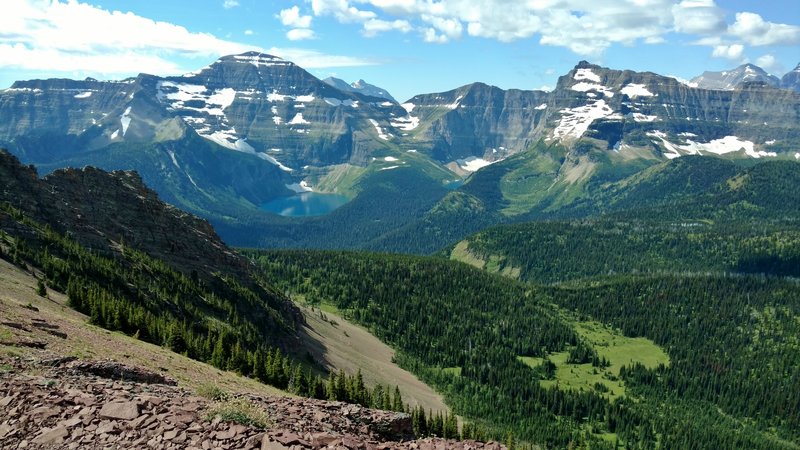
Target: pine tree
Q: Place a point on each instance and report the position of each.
(41, 289)
(341, 387)
(397, 403)
(331, 386)
(450, 426)
(219, 359)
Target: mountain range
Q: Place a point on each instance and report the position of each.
(730, 79)
(252, 128)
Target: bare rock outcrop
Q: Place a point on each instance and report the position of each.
(87, 405)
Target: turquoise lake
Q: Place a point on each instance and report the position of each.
(306, 204)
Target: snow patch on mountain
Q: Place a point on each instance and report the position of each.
(408, 107)
(405, 123)
(300, 187)
(125, 120)
(86, 94)
(586, 74)
(586, 87)
(576, 121)
(222, 98)
(262, 60)
(456, 103)
(298, 120)
(271, 159)
(388, 168)
(541, 107)
(473, 163)
(380, 131)
(727, 144)
(274, 96)
(337, 102)
(174, 160)
(636, 90)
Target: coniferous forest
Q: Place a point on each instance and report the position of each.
(731, 342)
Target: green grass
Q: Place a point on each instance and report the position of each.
(494, 264)
(454, 371)
(324, 306)
(619, 350)
(242, 411)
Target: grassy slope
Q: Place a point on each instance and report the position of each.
(85, 341)
(340, 344)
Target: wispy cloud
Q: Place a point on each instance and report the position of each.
(39, 35)
(586, 27)
(228, 4)
(54, 36)
(311, 59)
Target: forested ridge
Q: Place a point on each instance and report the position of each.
(556, 251)
(214, 318)
(731, 341)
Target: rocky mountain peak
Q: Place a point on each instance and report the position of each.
(583, 64)
(728, 79)
(360, 87)
(792, 79)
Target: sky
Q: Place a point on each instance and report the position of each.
(407, 47)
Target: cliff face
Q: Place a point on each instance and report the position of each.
(476, 120)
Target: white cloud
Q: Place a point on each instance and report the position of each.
(342, 10)
(300, 34)
(430, 35)
(586, 27)
(770, 64)
(248, 32)
(698, 17)
(373, 27)
(228, 4)
(311, 59)
(73, 37)
(80, 37)
(291, 17)
(754, 30)
(733, 52)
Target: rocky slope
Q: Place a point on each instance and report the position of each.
(55, 403)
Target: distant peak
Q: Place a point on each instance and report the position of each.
(583, 64)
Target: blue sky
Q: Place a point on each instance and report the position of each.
(405, 46)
